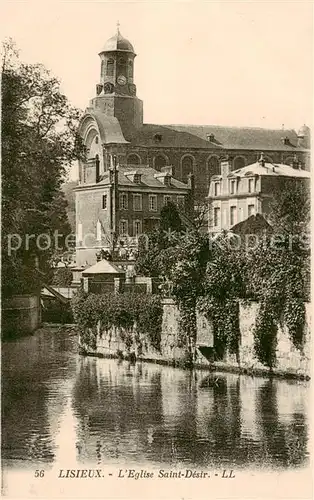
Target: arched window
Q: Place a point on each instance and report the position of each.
(133, 159)
(102, 68)
(288, 160)
(159, 162)
(186, 167)
(110, 67)
(122, 65)
(130, 68)
(268, 158)
(212, 167)
(239, 162)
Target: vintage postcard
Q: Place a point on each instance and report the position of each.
(156, 298)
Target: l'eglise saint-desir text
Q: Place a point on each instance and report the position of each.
(174, 474)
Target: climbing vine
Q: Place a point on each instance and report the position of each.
(265, 335)
(132, 314)
(294, 318)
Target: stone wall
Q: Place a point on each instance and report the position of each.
(21, 315)
(290, 361)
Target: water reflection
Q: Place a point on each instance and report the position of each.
(59, 406)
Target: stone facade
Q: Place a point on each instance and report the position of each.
(290, 361)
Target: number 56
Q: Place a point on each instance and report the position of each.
(39, 473)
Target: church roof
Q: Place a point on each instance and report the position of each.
(216, 137)
(108, 126)
(117, 43)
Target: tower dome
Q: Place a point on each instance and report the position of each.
(303, 131)
(117, 43)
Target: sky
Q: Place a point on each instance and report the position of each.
(198, 62)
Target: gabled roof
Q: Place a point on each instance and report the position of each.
(102, 267)
(196, 136)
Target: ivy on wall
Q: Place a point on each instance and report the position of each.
(134, 314)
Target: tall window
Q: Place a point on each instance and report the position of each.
(123, 201)
(159, 162)
(187, 168)
(239, 162)
(137, 227)
(123, 227)
(152, 202)
(104, 202)
(137, 202)
(180, 201)
(217, 188)
(110, 67)
(232, 187)
(167, 199)
(216, 216)
(250, 210)
(251, 185)
(133, 159)
(233, 211)
(130, 68)
(212, 167)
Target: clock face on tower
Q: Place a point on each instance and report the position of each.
(121, 80)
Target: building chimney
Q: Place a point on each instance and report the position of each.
(191, 195)
(225, 167)
(261, 160)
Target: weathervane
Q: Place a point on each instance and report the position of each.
(118, 26)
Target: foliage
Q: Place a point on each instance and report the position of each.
(151, 256)
(38, 142)
(290, 208)
(134, 314)
(265, 334)
(62, 277)
(294, 318)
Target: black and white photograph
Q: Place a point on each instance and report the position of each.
(156, 249)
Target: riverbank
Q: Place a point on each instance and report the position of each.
(218, 367)
(290, 362)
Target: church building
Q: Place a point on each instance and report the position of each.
(112, 127)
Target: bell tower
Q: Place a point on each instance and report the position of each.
(116, 92)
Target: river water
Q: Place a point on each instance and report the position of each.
(58, 405)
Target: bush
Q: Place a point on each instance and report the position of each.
(133, 313)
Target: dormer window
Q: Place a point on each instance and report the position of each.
(134, 176)
(210, 137)
(286, 140)
(251, 185)
(157, 137)
(164, 177)
(167, 180)
(232, 186)
(217, 188)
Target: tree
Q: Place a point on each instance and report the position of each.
(39, 141)
(153, 244)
